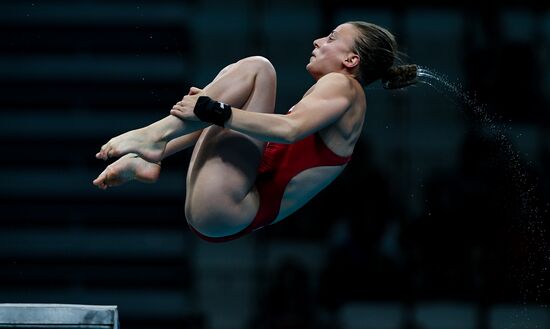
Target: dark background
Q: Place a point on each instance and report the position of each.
(440, 221)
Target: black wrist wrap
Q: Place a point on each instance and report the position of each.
(208, 110)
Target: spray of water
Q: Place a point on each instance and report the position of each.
(436, 80)
(532, 218)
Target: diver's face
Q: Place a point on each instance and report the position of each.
(331, 52)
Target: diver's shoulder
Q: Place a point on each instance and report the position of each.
(336, 77)
(338, 81)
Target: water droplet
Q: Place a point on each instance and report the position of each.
(532, 222)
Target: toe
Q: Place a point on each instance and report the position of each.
(100, 179)
(110, 153)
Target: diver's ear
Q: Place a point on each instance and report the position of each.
(351, 61)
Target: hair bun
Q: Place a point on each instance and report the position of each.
(400, 76)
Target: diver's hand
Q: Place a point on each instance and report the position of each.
(184, 108)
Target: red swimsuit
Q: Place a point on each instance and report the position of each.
(280, 163)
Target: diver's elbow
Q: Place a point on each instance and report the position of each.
(292, 134)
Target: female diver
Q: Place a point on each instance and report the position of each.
(250, 167)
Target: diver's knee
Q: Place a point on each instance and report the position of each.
(258, 64)
(224, 71)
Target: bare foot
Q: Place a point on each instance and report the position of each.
(127, 168)
(138, 141)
